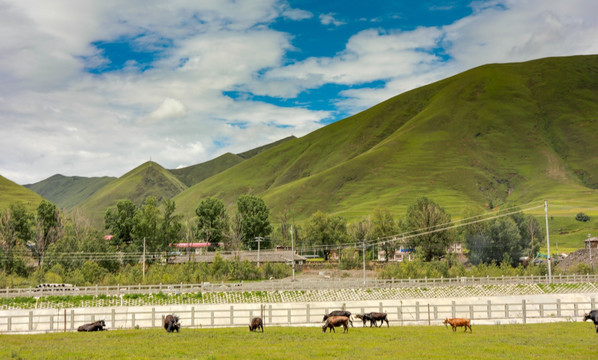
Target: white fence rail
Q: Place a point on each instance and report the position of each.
(399, 314)
(286, 285)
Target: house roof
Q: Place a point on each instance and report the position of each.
(265, 256)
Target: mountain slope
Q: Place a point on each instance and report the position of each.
(194, 174)
(148, 179)
(68, 191)
(11, 192)
(521, 132)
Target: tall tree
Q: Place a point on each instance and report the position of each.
(254, 219)
(383, 227)
(171, 226)
(120, 221)
(146, 223)
(212, 220)
(424, 218)
(326, 231)
(8, 239)
(49, 230)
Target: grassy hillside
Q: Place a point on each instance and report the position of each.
(504, 132)
(148, 179)
(192, 175)
(11, 192)
(68, 191)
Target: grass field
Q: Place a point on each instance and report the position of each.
(576, 340)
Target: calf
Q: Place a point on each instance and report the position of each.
(256, 323)
(593, 315)
(336, 321)
(94, 326)
(172, 323)
(378, 316)
(339, 313)
(456, 322)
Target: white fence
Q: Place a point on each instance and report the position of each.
(286, 285)
(399, 313)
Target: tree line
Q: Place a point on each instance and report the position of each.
(51, 237)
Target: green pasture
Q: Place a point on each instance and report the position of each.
(566, 340)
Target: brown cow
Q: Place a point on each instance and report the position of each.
(339, 313)
(457, 322)
(256, 323)
(336, 321)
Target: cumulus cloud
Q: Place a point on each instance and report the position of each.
(169, 108)
(58, 117)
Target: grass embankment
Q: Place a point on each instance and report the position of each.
(566, 341)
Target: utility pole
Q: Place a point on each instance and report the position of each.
(590, 246)
(259, 239)
(547, 241)
(293, 252)
(363, 262)
(144, 255)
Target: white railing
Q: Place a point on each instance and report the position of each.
(286, 285)
(399, 314)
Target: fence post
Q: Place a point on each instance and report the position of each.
(471, 312)
(9, 324)
(133, 320)
(506, 311)
(153, 317)
(400, 314)
(575, 306)
(289, 316)
(541, 310)
(232, 315)
(307, 315)
(380, 307)
(30, 320)
(113, 318)
(489, 309)
(558, 307)
(270, 313)
(524, 311)
(453, 309)
(72, 319)
(51, 322)
(417, 311)
(193, 316)
(592, 303)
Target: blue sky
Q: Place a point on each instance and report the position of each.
(94, 88)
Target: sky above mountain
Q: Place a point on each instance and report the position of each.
(94, 88)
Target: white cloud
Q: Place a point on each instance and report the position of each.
(329, 19)
(169, 108)
(58, 118)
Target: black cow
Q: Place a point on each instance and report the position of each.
(339, 313)
(593, 315)
(373, 318)
(94, 326)
(256, 323)
(336, 321)
(172, 323)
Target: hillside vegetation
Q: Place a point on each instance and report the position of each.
(502, 132)
(68, 191)
(11, 192)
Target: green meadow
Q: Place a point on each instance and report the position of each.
(566, 340)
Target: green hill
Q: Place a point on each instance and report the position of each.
(148, 179)
(194, 174)
(68, 191)
(521, 132)
(11, 192)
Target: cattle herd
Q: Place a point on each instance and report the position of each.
(332, 320)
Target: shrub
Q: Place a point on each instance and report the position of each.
(582, 217)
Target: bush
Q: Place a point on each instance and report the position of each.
(582, 217)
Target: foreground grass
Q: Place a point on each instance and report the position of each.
(546, 341)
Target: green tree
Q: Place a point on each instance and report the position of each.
(120, 221)
(383, 227)
(501, 240)
(254, 215)
(212, 220)
(146, 222)
(49, 230)
(326, 232)
(171, 226)
(424, 219)
(8, 240)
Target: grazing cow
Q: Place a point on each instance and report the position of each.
(172, 323)
(94, 326)
(365, 318)
(593, 315)
(256, 323)
(378, 316)
(336, 321)
(458, 322)
(339, 313)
